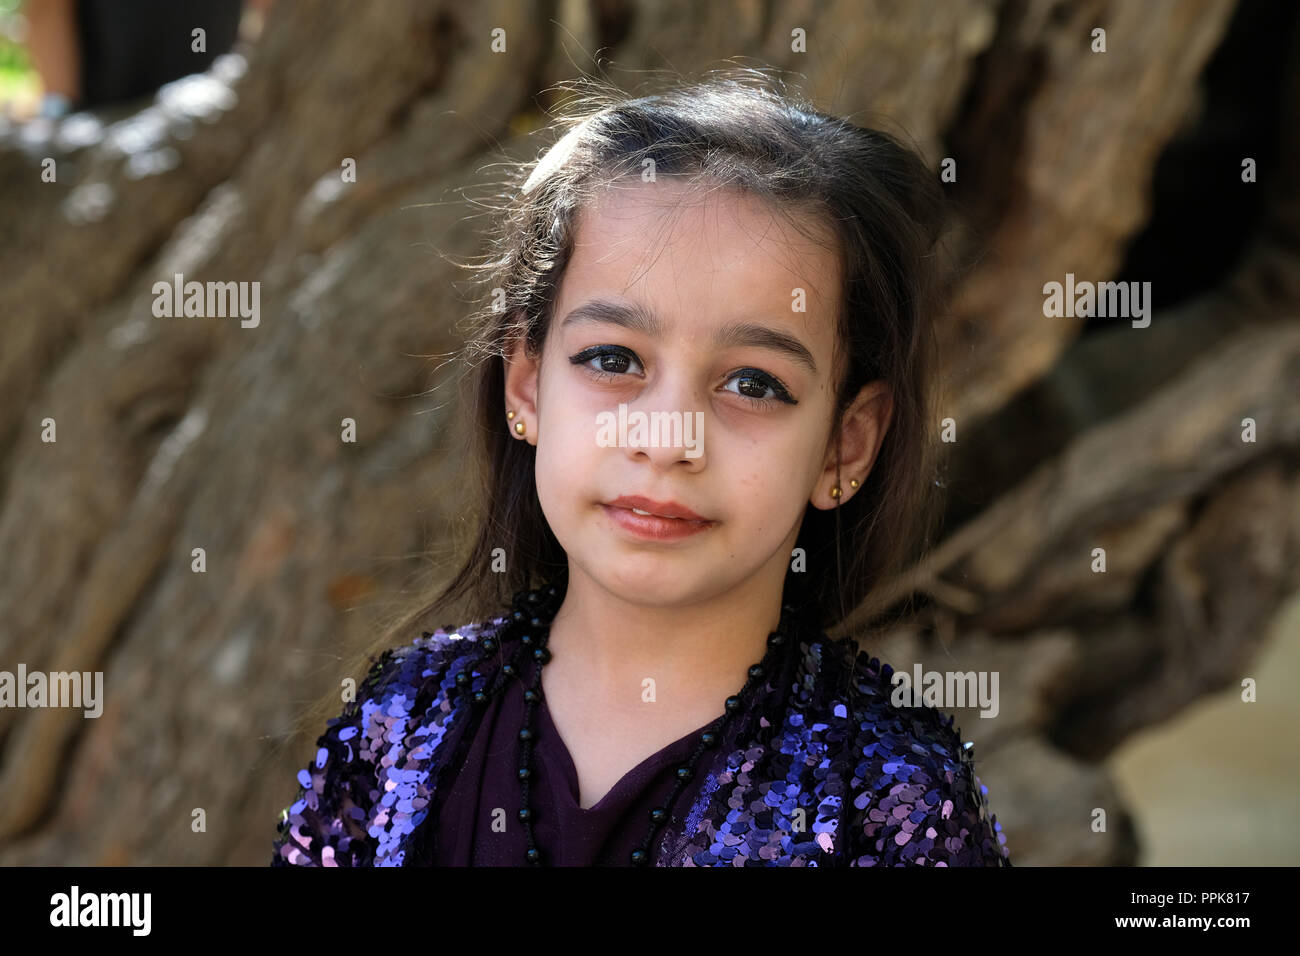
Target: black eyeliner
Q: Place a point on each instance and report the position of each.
(771, 381)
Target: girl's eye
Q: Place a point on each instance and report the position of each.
(612, 361)
(751, 383)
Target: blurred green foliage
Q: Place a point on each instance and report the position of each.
(18, 80)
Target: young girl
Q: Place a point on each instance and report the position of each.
(703, 404)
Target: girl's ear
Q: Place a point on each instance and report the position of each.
(521, 389)
(863, 430)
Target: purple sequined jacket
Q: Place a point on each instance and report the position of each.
(841, 777)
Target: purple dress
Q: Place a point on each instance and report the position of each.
(601, 835)
(818, 768)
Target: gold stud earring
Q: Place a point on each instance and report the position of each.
(519, 428)
(835, 491)
(853, 482)
(510, 415)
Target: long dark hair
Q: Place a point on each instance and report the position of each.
(739, 129)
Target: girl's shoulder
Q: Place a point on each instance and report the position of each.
(875, 692)
(430, 654)
(354, 807)
(914, 782)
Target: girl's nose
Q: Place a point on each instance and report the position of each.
(669, 422)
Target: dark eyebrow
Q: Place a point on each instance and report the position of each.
(638, 318)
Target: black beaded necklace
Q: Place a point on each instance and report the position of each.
(531, 619)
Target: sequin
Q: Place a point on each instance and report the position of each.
(820, 770)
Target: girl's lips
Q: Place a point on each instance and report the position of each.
(652, 526)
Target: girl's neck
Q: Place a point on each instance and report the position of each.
(698, 653)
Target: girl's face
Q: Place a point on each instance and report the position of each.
(691, 308)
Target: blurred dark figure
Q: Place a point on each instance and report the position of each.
(92, 53)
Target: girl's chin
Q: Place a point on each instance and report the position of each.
(640, 578)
